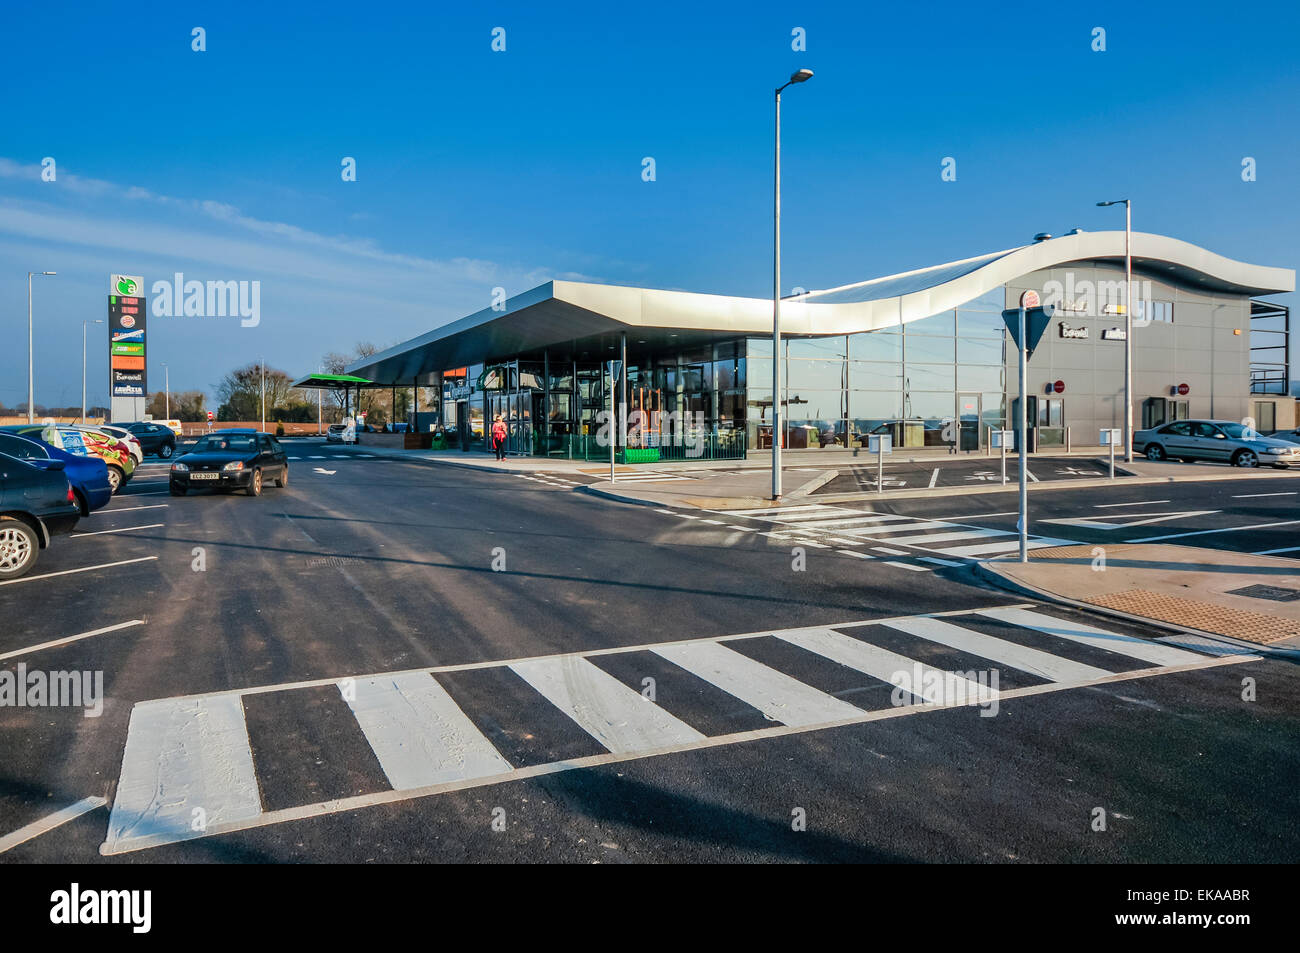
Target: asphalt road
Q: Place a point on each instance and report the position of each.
(367, 566)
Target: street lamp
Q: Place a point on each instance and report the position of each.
(167, 391)
(83, 365)
(31, 391)
(1128, 324)
(801, 76)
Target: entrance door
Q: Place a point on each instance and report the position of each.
(462, 423)
(1051, 422)
(968, 417)
(1031, 423)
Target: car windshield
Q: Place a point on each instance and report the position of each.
(1240, 431)
(233, 443)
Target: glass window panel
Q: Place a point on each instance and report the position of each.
(925, 350)
(876, 346)
(864, 405)
(816, 404)
(979, 350)
(864, 376)
(979, 378)
(931, 407)
(993, 409)
(930, 377)
(977, 324)
(814, 375)
(758, 347)
(758, 372)
(940, 324)
(816, 348)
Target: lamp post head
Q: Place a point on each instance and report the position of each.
(1115, 202)
(801, 76)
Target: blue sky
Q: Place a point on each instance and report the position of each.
(478, 169)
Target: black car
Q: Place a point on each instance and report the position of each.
(35, 504)
(230, 460)
(154, 438)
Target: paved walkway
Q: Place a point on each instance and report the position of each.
(1222, 594)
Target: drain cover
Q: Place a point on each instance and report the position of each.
(1271, 593)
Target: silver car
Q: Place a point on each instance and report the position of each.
(1223, 440)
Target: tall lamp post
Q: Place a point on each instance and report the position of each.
(1128, 324)
(83, 364)
(31, 390)
(801, 76)
(167, 392)
(263, 395)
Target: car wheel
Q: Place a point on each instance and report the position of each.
(255, 484)
(115, 478)
(178, 490)
(166, 451)
(1245, 458)
(283, 478)
(1155, 452)
(19, 547)
(81, 503)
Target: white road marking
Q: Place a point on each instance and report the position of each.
(934, 686)
(71, 638)
(1042, 664)
(910, 566)
(122, 529)
(934, 477)
(1134, 519)
(1272, 552)
(743, 529)
(1090, 635)
(891, 552)
(1030, 473)
(939, 562)
(419, 733)
(50, 822)
(66, 572)
(182, 754)
(1103, 506)
(1038, 542)
(619, 718)
(1251, 496)
(324, 471)
(109, 511)
(849, 552)
(921, 538)
(777, 695)
(1206, 532)
(895, 528)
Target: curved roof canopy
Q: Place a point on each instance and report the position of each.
(572, 316)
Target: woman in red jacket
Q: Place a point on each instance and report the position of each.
(499, 437)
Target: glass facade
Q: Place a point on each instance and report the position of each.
(908, 381)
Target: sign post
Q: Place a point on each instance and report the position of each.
(127, 377)
(1110, 437)
(881, 444)
(1001, 439)
(1027, 324)
(615, 368)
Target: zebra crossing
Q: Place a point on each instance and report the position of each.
(549, 479)
(919, 544)
(197, 766)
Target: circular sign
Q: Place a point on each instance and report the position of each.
(127, 321)
(1059, 387)
(1029, 299)
(1183, 390)
(127, 286)
(210, 415)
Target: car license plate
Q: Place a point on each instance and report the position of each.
(205, 476)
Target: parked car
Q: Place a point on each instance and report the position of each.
(115, 453)
(1290, 436)
(1215, 440)
(120, 433)
(88, 475)
(35, 505)
(154, 438)
(335, 433)
(230, 460)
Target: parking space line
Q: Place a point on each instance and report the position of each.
(1104, 506)
(1251, 496)
(72, 638)
(65, 572)
(1273, 552)
(49, 822)
(106, 511)
(934, 477)
(122, 529)
(1206, 532)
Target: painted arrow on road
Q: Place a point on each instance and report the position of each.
(323, 470)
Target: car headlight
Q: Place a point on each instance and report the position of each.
(180, 468)
(237, 465)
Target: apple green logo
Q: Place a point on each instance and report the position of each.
(126, 286)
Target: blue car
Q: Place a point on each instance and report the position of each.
(88, 475)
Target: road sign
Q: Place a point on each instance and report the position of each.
(1036, 322)
(1059, 387)
(211, 415)
(1183, 390)
(880, 443)
(615, 369)
(1029, 299)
